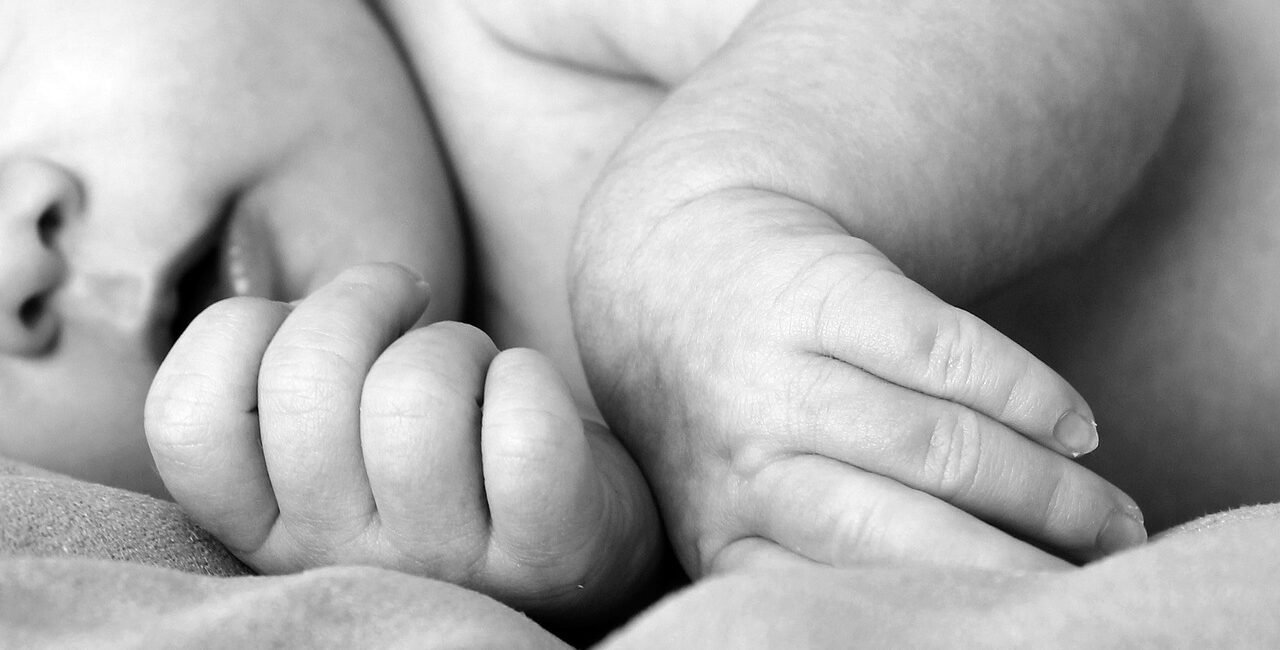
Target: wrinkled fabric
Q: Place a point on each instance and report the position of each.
(88, 603)
(84, 566)
(88, 566)
(47, 515)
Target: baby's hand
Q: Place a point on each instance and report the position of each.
(331, 432)
(800, 396)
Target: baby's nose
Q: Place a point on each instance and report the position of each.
(35, 198)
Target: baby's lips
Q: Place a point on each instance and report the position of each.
(125, 299)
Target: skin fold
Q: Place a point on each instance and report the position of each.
(818, 234)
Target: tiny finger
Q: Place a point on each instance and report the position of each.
(545, 497)
(202, 421)
(841, 516)
(420, 418)
(310, 386)
(893, 328)
(968, 460)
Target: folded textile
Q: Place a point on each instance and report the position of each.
(84, 565)
(85, 603)
(44, 514)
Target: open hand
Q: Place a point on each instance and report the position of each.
(814, 401)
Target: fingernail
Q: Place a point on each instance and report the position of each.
(1121, 531)
(1132, 509)
(413, 273)
(1076, 433)
(418, 279)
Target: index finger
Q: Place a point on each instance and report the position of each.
(891, 327)
(839, 515)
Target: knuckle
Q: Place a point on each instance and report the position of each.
(181, 437)
(402, 410)
(1054, 500)
(748, 457)
(411, 391)
(834, 284)
(950, 357)
(183, 409)
(328, 540)
(447, 344)
(455, 550)
(297, 389)
(760, 434)
(529, 429)
(177, 416)
(419, 398)
(313, 352)
(462, 334)
(860, 533)
(952, 459)
(1006, 393)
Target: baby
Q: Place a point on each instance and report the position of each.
(330, 413)
(783, 202)
(156, 157)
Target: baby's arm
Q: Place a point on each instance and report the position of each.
(964, 141)
(333, 432)
(777, 376)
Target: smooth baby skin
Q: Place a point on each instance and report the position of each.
(132, 133)
(532, 98)
(155, 158)
(334, 431)
(1168, 321)
(759, 277)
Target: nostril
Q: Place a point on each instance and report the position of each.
(48, 224)
(31, 310)
(39, 205)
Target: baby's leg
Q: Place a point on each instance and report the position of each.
(1169, 324)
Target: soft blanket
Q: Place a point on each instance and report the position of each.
(84, 565)
(88, 566)
(43, 514)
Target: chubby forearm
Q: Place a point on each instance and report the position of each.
(1205, 588)
(964, 141)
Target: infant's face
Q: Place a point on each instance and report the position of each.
(157, 154)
